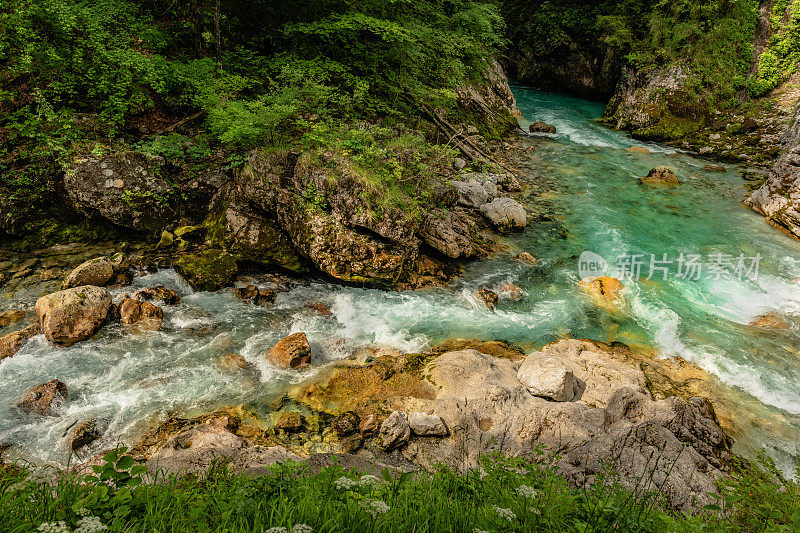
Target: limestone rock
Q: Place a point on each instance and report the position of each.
(427, 425)
(661, 175)
(605, 291)
(192, 451)
(368, 424)
(472, 193)
(97, 272)
(72, 315)
(11, 343)
(44, 399)
(547, 377)
(489, 297)
(505, 214)
(291, 352)
(541, 127)
(395, 431)
(209, 270)
(509, 291)
(453, 233)
(346, 424)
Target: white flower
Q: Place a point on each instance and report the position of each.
(90, 524)
(504, 513)
(83, 511)
(53, 527)
(277, 529)
(534, 510)
(476, 530)
(345, 483)
(302, 528)
(369, 481)
(375, 507)
(527, 491)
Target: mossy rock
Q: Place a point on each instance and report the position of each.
(209, 270)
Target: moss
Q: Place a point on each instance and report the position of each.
(209, 270)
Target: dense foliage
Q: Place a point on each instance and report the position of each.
(507, 495)
(779, 60)
(711, 40)
(78, 74)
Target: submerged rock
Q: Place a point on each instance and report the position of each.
(525, 257)
(661, 175)
(505, 214)
(72, 315)
(209, 270)
(44, 399)
(234, 361)
(509, 291)
(97, 272)
(11, 343)
(771, 320)
(541, 127)
(9, 317)
(86, 432)
(254, 295)
(291, 352)
(143, 314)
(159, 292)
(489, 297)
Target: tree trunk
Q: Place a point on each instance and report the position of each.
(195, 18)
(217, 38)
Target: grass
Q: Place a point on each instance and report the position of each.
(507, 494)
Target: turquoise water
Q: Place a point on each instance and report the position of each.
(582, 194)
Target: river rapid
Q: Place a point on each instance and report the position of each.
(583, 194)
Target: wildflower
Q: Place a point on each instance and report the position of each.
(53, 527)
(277, 529)
(375, 507)
(504, 513)
(302, 528)
(90, 524)
(369, 481)
(83, 511)
(476, 530)
(534, 510)
(527, 491)
(345, 483)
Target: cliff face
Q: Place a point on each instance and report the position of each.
(778, 198)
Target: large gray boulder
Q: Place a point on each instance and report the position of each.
(505, 214)
(72, 315)
(547, 377)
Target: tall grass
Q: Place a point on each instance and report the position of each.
(506, 494)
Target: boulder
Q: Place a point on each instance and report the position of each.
(395, 431)
(459, 164)
(489, 297)
(291, 352)
(472, 193)
(11, 316)
(290, 422)
(605, 291)
(505, 214)
(234, 361)
(11, 343)
(125, 188)
(193, 450)
(661, 175)
(453, 233)
(541, 127)
(143, 314)
(97, 272)
(427, 425)
(771, 320)
(637, 150)
(209, 270)
(159, 292)
(369, 424)
(714, 168)
(44, 399)
(547, 377)
(72, 315)
(86, 432)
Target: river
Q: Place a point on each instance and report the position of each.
(717, 266)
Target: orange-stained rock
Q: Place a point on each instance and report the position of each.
(509, 291)
(291, 352)
(771, 320)
(72, 315)
(233, 361)
(489, 297)
(605, 291)
(525, 257)
(43, 399)
(11, 343)
(661, 175)
(143, 314)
